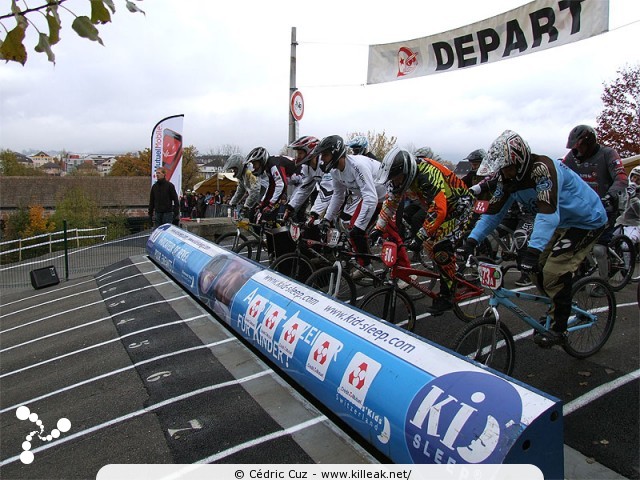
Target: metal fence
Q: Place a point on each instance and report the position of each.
(74, 261)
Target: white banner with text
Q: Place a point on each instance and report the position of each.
(534, 27)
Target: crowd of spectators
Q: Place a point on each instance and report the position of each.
(201, 205)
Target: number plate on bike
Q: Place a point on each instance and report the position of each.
(481, 206)
(333, 237)
(294, 231)
(389, 254)
(490, 275)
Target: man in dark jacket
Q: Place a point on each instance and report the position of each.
(163, 201)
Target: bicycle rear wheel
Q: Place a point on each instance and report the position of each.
(622, 261)
(293, 265)
(391, 304)
(324, 279)
(488, 343)
(595, 296)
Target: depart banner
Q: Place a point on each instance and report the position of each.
(531, 28)
(166, 150)
(414, 401)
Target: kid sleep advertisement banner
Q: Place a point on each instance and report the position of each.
(166, 150)
(416, 402)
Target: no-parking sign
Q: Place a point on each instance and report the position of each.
(297, 105)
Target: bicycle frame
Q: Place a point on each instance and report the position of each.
(502, 296)
(400, 272)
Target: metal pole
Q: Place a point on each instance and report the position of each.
(293, 124)
(66, 251)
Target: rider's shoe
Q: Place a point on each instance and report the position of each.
(550, 338)
(440, 305)
(523, 281)
(598, 292)
(358, 275)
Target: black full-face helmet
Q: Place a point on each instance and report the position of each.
(334, 144)
(582, 139)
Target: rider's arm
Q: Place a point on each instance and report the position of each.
(279, 183)
(616, 172)
(364, 180)
(337, 199)
(254, 190)
(388, 211)
(487, 223)
(325, 191)
(547, 187)
(304, 189)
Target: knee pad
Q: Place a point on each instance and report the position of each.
(443, 253)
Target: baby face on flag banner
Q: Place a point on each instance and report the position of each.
(536, 26)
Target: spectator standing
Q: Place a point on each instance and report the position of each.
(164, 206)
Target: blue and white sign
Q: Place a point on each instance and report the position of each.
(413, 400)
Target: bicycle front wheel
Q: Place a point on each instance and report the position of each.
(392, 305)
(488, 343)
(325, 280)
(254, 250)
(622, 261)
(231, 240)
(585, 337)
(293, 265)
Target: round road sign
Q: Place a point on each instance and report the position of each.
(297, 105)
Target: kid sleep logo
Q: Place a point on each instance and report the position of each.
(23, 413)
(463, 417)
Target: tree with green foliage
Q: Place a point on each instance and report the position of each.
(619, 122)
(78, 209)
(190, 171)
(12, 46)
(11, 167)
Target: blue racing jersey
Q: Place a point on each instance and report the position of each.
(553, 192)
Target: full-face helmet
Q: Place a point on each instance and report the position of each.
(258, 159)
(396, 162)
(234, 163)
(508, 149)
(334, 144)
(305, 144)
(358, 145)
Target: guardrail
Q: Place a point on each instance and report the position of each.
(24, 243)
(73, 260)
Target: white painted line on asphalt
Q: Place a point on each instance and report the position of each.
(60, 299)
(92, 322)
(263, 439)
(86, 306)
(101, 344)
(115, 372)
(598, 392)
(138, 413)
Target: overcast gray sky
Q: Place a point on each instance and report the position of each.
(226, 68)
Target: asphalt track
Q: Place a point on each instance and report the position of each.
(145, 375)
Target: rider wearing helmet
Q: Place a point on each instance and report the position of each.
(475, 159)
(359, 145)
(630, 218)
(446, 199)
(427, 153)
(273, 173)
(312, 179)
(247, 184)
(569, 218)
(602, 169)
(354, 173)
